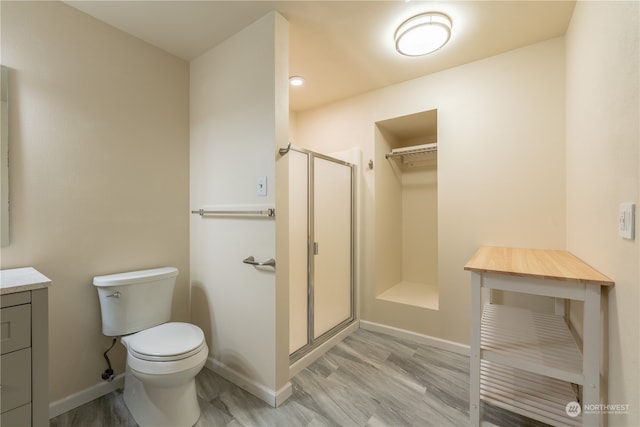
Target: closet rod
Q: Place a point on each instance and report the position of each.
(418, 149)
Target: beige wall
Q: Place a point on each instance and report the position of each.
(238, 121)
(603, 170)
(500, 168)
(99, 171)
(420, 225)
(388, 212)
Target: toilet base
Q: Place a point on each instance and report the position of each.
(175, 406)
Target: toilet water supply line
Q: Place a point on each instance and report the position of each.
(107, 375)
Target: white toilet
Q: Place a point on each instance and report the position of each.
(162, 358)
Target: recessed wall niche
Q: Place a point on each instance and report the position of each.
(406, 202)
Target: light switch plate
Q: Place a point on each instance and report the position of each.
(627, 220)
(262, 186)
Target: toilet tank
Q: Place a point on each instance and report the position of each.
(136, 300)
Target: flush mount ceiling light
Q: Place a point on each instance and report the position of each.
(423, 34)
(296, 80)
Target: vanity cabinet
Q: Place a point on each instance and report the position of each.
(529, 362)
(24, 348)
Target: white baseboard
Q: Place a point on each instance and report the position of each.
(85, 396)
(270, 396)
(314, 355)
(451, 346)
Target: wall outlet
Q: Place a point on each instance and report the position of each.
(262, 186)
(627, 220)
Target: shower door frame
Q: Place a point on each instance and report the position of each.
(313, 343)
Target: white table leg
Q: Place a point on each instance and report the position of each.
(591, 355)
(476, 318)
(559, 306)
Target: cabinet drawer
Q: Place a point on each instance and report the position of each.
(18, 298)
(18, 417)
(15, 328)
(15, 378)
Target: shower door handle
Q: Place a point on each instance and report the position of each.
(315, 248)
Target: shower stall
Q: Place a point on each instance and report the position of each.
(322, 249)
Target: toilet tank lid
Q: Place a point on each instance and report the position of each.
(132, 277)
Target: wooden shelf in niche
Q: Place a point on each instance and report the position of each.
(416, 294)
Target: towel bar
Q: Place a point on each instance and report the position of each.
(268, 212)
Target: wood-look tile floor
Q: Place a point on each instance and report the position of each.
(369, 379)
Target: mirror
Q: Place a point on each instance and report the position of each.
(4, 157)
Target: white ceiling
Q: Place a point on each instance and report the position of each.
(342, 48)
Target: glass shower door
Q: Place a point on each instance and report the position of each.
(298, 253)
(332, 245)
(321, 246)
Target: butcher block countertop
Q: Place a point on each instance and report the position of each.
(536, 263)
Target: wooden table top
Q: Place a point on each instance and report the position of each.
(537, 263)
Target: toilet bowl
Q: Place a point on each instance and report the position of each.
(163, 358)
(162, 363)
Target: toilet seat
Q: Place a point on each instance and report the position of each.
(165, 343)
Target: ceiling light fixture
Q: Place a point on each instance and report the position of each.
(423, 34)
(296, 80)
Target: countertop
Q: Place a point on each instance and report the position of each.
(22, 279)
(540, 263)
